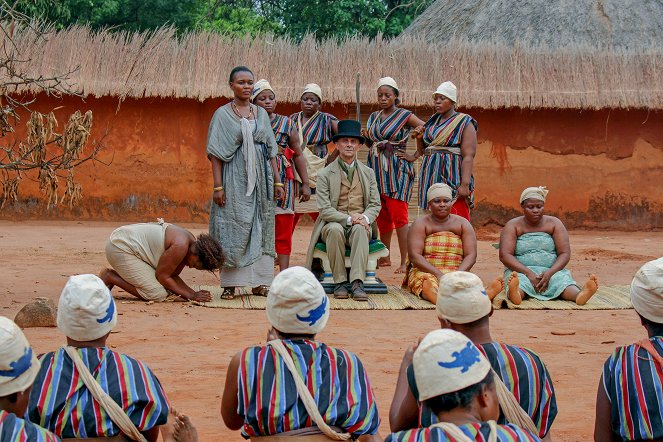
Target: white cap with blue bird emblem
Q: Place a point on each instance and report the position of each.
(18, 363)
(297, 303)
(446, 361)
(86, 310)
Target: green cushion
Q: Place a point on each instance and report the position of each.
(373, 246)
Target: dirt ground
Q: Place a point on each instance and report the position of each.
(189, 347)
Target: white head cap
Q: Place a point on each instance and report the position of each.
(448, 89)
(647, 291)
(86, 310)
(18, 363)
(439, 190)
(536, 193)
(261, 85)
(446, 361)
(387, 81)
(461, 298)
(297, 303)
(314, 89)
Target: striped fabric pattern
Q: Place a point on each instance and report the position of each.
(282, 125)
(337, 381)
(15, 429)
(317, 131)
(633, 381)
(397, 181)
(525, 375)
(479, 432)
(443, 167)
(60, 402)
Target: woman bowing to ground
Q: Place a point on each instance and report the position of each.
(535, 250)
(242, 150)
(448, 143)
(289, 153)
(387, 135)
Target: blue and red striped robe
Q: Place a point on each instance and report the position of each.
(268, 398)
(443, 167)
(475, 431)
(282, 125)
(15, 429)
(633, 381)
(317, 131)
(60, 402)
(524, 374)
(395, 182)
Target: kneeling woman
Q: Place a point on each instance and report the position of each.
(535, 250)
(148, 258)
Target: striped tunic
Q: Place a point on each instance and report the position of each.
(268, 398)
(60, 402)
(443, 167)
(633, 382)
(397, 180)
(475, 431)
(282, 125)
(524, 374)
(317, 131)
(15, 429)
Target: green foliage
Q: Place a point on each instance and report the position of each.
(294, 18)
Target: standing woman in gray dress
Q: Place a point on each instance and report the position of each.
(242, 150)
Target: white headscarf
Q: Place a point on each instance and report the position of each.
(438, 190)
(314, 89)
(260, 86)
(448, 89)
(387, 81)
(536, 193)
(647, 291)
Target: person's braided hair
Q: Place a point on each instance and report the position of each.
(209, 252)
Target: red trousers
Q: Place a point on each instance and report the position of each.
(393, 214)
(283, 228)
(461, 208)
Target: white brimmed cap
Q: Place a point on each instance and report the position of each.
(86, 310)
(462, 298)
(18, 363)
(314, 89)
(297, 303)
(446, 361)
(647, 291)
(387, 81)
(448, 89)
(261, 85)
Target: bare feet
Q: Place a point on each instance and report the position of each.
(184, 429)
(384, 262)
(515, 295)
(401, 269)
(588, 290)
(495, 288)
(168, 429)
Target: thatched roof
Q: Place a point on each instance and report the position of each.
(491, 75)
(554, 24)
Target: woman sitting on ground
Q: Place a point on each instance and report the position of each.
(535, 250)
(147, 260)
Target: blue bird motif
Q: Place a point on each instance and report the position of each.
(315, 314)
(463, 359)
(19, 366)
(109, 313)
(484, 293)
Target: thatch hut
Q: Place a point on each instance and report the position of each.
(584, 121)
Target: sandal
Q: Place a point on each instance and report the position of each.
(261, 290)
(228, 293)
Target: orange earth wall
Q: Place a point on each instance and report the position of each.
(604, 168)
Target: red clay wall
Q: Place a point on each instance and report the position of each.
(603, 168)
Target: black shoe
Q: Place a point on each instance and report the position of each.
(341, 291)
(358, 293)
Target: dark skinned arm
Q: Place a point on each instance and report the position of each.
(469, 239)
(415, 122)
(219, 196)
(468, 149)
(171, 263)
(416, 237)
(333, 155)
(404, 410)
(300, 165)
(152, 435)
(229, 400)
(563, 249)
(602, 426)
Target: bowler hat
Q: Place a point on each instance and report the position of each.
(349, 129)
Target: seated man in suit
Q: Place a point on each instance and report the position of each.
(349, 203)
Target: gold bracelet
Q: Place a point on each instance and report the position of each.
(278, 184)
(216, 189)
